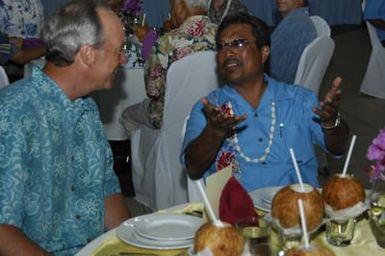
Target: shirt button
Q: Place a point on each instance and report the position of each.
(77, 216)
(260, 139)
(263, 163)
(256, 114)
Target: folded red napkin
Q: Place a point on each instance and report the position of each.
(235, 203)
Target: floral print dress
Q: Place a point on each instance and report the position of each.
(196, 34)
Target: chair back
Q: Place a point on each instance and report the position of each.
(321, 26)
(159, 178)
(3, 78)
(313, 63)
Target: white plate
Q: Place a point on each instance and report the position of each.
(262, 197)
(168, 227)
(127, 231)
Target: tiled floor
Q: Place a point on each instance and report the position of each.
(364, 114)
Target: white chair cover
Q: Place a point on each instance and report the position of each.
(3, 78)
(313, 63)
(158, 176)
(322, 27)
(373, 83)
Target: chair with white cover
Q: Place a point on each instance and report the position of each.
(3, 78)
(373, 83)
(321, 26)
(313, 63)
(159, 178)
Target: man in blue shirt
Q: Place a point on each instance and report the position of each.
(252, 121)
(58, 190)
(289, 39)
(375, 13)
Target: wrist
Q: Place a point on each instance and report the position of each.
(332, 125)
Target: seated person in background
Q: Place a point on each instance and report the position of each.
(22, 20)
(58, 190)
(218, 9)
(194, 32)
(375, 13)
(252, 121)
(11, 49)
(289, 39)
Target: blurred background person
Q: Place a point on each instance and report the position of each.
(374, 12)
(193, 32)
(218, 9)
(288, 40)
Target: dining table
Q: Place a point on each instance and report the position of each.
(109, 243)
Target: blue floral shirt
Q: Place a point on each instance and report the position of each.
(296, 126)
(55, 165)
(21, 18)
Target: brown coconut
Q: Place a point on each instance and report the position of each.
(341, 192)
(284, 206)
(312, 251)
(222, 241)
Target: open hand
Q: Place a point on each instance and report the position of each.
(220, 121)
(328, 110)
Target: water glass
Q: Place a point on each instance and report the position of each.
(340, 232)
(257, 232)
(377, 212)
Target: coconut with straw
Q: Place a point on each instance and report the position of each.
(215, 237)
(284, 210)
(343, 194)
(307, 249)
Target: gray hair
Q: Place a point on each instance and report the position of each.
(73, 25)
(197, 4)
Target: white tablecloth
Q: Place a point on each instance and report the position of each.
(128, 89)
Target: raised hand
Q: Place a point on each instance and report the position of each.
(222, 122)
(328, 110)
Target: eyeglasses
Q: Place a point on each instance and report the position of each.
(238, 43)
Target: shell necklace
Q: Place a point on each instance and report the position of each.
(234, 140)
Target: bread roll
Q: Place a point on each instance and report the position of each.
(222, 241)
(312, 251)
(284, 207)
(341, 192)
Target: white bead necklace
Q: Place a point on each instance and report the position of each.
(234, 140)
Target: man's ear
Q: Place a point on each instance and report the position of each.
(87, 54)
(265, 52)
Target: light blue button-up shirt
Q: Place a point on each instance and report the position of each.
(55, 165)
(296, 127)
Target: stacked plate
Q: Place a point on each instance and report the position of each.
(160, 231)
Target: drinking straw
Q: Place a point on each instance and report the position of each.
(349, 155)
(210, 211)
(296, 169)
(303, 222)
(143, 20)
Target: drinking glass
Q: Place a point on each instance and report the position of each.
(377, 212)
(340, 232)
(257, 233)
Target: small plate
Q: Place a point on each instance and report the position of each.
(262, 197)
(168, 227)
(128, 232)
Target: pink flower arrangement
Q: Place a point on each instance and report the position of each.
(376, 152)
(133, 7)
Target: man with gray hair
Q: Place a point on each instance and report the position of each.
(58, 190)
(193, 32)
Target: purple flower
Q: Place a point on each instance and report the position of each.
(376, 152)
(132, 7)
